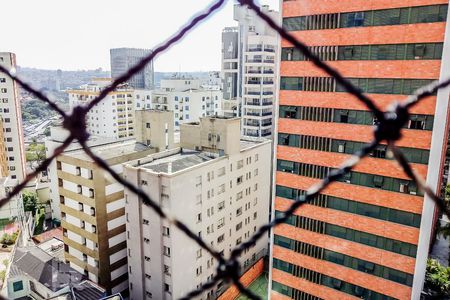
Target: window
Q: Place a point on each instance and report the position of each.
(240, 164)
(239, 196)
(145, 221)
(221, 205)
(239, 180)
(239, 212)
(17, 286)
(199, 253)
(239, 226)
(166, 251)
(199, 271)
(166, 231)
(166, 270)
(221, 223)
(199, 217)
(147, 258)
(148, 294)
(166, 288)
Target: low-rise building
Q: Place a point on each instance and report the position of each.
(218, 185)
(34, 274)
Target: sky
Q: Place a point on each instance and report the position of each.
(77, 34)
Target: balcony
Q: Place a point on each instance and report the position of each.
(254, 60)
(269, 50)
(255, 49)
(269, 61)
(267, 93)
(268, 71)
(268, 82)
(266, 124)
(252, 124)
(253, 93)
(254, 71)
(254, 82)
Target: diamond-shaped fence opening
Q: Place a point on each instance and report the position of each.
(387, 130)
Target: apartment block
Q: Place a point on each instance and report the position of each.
(11, 114)
(187, 98)
(123, 59)
(92, 206)
(216, 183)
(249, 57)
(366, 236)
(114, 115)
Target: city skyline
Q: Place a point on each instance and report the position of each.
(88, 42)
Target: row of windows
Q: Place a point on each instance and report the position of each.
(334, 283)
(349, 147)
(356, 178)
(382, 17)
(368, 85)
(349, 116)
(352, 235)
(344, 260)
(368, 52)
(292, 293)
(382, 213)
(354, 207)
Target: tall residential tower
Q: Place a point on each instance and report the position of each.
(11, 113)
(368, 235)
(249, 56)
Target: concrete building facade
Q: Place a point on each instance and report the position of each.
(368, 235)
(92, 206)
(249, 58)
(123, 59)
(155, 128)
(113, 117)
(219, 186)
(11, 113)
(188, 100)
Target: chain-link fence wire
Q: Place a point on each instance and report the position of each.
(387, 130)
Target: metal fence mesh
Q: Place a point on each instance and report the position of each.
(387, 130)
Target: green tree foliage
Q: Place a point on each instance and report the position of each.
(35, 153)
(36, 110)
(437, 279)
(29, 201)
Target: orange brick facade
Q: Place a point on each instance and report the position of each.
(254, 272)
(411, 138)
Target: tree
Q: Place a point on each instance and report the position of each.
(437, 279)
(29, 201)
(35, 154)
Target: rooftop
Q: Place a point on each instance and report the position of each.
(183, 159)
(110, 150)
(44, 268)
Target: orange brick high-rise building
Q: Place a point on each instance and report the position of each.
(368, 235)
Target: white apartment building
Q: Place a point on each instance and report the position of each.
(249, 64)
(10, 112)
(219, 186)
(187, 98)
(114, 116)
(93, 214)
